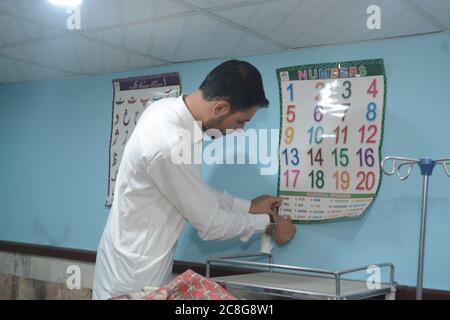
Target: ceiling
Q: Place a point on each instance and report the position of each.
(118, 35)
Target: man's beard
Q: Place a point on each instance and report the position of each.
(216, 123)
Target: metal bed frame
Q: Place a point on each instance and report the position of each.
(299, 282)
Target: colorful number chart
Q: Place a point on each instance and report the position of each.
(131, 97)
(331, 134)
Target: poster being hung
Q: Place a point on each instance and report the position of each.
(331, 132)
(131, 97)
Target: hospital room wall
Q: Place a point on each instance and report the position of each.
(54, 139)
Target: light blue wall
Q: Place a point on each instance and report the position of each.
(54, 139)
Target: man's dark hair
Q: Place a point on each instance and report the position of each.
(237, 82)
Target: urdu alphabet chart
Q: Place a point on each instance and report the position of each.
(331, 132)
(131, 97)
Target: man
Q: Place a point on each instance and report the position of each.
(155, 196)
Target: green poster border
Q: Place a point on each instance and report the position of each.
(375, 67)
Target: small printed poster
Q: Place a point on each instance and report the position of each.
(131, 97)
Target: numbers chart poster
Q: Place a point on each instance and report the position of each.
(131, 97)
(331, 133)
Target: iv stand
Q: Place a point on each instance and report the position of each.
(426, 169)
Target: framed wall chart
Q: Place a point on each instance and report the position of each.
(331, 132)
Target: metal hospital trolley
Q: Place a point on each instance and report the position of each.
(282, 281)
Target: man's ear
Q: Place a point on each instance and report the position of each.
(221, 108)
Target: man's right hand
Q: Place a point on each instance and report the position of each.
(285, 229)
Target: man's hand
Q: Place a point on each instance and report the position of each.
(285, 229)
(266, 204)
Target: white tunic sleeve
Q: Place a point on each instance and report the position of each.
(207, 210)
